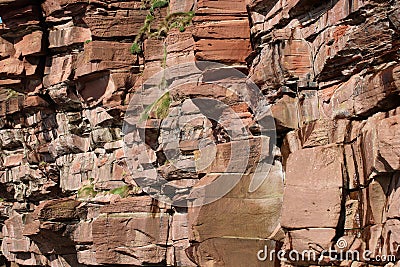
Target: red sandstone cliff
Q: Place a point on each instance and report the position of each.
(328, 69)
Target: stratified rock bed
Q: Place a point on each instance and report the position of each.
(329, 69)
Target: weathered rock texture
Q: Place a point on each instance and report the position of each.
(329, 69)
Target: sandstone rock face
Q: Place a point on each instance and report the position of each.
(302, 202)
(222, 31)
(328, 70)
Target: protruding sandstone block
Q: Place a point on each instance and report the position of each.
(119, 23)
(66, 35)
(132, 237)
(227, 51)
(380, 151)
(68, 144)
(104, 55)
(231, 251)
(321, 171)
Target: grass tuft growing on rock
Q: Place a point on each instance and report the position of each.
(159, 4)
(122, 191)
(87, 191)
(136, 49)
(159, 109)
(11, 93)
(162, 106)
(178, 20)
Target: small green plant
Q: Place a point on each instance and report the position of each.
(149, 19)
(179, 20)
(159, 109)
(122, 191)
(88, 41)
(176, 20)
(136, 49)
(87, 191)
(43, 164)
(162, 106)
(159, 4)
(11, 93)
